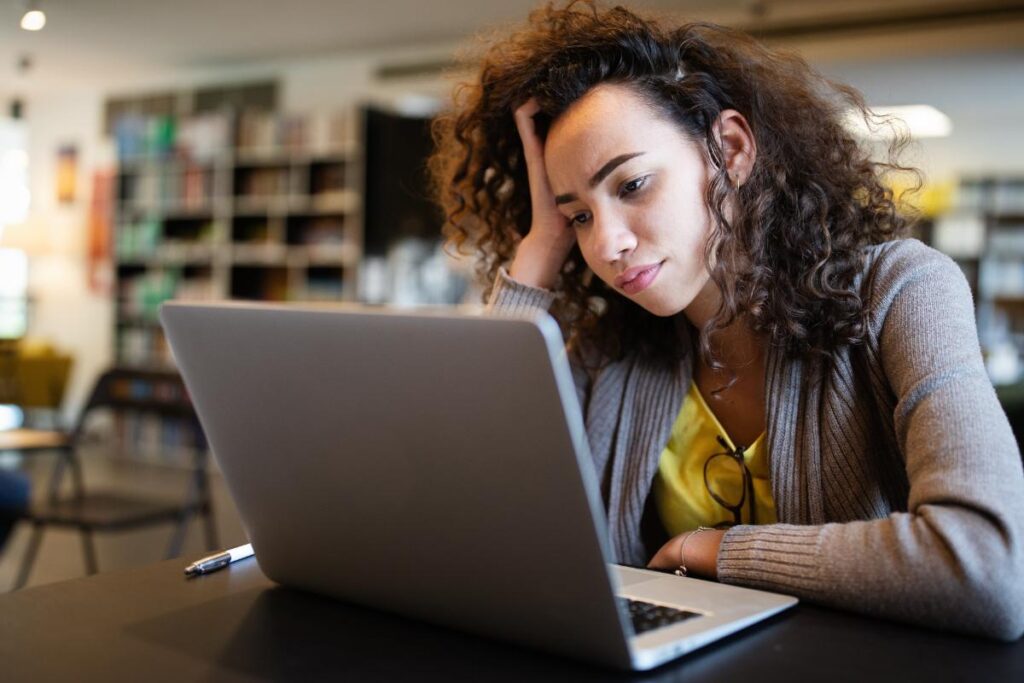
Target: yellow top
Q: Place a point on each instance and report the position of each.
(682, 499)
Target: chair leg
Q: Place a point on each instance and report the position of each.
(57, 475)
(77, 480)
(89, 551)
(29, 558)
(178, 537)
(211, 528)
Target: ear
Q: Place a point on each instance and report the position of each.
(738, 145)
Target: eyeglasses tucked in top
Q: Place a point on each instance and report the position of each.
(729, 465)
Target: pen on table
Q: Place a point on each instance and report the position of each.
(212, 563)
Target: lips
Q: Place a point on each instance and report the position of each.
(638, 278)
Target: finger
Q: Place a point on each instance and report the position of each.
(533, 151)
(529, 107)
(523, 116)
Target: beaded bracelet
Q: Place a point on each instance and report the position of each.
(682, 571)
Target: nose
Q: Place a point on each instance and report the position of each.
(612, 238)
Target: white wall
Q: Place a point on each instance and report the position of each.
(982, 94)
(64, 310)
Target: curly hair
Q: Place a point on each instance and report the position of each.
(786, 258)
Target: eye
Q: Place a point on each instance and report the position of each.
(632, 186)
(580, 219)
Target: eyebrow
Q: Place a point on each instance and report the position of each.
(601, 174)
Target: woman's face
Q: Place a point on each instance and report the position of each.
(632, 186)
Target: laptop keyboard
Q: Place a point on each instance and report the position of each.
(647, 616)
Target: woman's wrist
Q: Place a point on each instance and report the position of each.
(700, 555)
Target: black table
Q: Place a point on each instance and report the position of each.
(152, 624)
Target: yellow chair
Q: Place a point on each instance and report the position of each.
(33, 375)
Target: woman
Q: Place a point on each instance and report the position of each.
(755, 350)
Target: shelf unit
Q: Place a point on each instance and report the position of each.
(984, 234)
(269, 224)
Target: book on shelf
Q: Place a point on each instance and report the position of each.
(251, 205)
(261, 132)
(250, 134)
(258, 253)
(204, 137)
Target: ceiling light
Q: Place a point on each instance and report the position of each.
(917, 120)
(33, 19)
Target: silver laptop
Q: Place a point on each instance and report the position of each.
(432, 464)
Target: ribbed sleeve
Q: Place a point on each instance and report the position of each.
(783, 558)
(509, 296)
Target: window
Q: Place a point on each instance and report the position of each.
(13, 300)
(14, 193)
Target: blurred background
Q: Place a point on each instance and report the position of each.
(261, 150)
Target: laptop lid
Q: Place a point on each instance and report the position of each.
(432, 464)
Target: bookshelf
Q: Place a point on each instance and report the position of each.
(984, 233)
(259, 209)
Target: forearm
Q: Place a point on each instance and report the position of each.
(944, 567)
(537, 262)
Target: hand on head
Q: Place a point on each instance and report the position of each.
(545, 248)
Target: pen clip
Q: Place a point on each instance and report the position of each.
(208, 565)
(222, 561)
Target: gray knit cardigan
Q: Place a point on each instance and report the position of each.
(899, 495)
